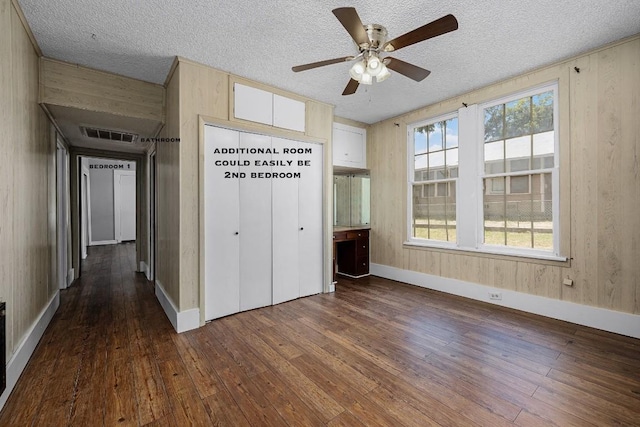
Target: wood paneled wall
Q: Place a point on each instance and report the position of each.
(193, 91)
(599, 110)
(27, 184)
(80, 87)
(168, 183)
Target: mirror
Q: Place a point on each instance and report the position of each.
(351, 200)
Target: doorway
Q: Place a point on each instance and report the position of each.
(153, 207)
(124, 205)
(62, 206)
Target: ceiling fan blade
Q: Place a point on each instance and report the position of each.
(436, 28)
(351, 88)
(351, 22)
(311, 65)
(412, 71)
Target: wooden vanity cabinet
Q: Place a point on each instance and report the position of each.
(351, 253)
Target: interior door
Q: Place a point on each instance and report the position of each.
(221, 225)
(255, 225)
(125, 205)
(285, 226)
(310, 159)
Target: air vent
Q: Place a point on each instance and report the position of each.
(109, 135)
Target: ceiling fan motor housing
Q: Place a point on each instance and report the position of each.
(377, 36)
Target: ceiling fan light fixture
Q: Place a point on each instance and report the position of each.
(383, 74)
(357, 70)
(366, 78)
(374, 65)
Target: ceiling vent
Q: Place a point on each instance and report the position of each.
(109, 135)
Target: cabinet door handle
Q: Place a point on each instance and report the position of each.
(236, 233)
(301, 228)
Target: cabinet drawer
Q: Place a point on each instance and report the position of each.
(362, 266)
(339, 235)
(362, 248)
(357, 234)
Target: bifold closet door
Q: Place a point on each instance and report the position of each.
(310, 254)
(255, 225)
(221, 225)
(285, 225)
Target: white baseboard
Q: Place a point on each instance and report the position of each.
(103, 242)
(144, 268)
(24, 351)
(182, 321)
(594, 317)
(70, 276)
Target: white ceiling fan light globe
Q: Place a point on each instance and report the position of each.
(366, 78)
(357, 70)
(383, 74)
(374, 65)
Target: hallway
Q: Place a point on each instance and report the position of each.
(375, 352)
(82, 371)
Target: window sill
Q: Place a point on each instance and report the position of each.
(491, 252)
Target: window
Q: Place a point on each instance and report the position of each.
(505, 168)
(435, 170)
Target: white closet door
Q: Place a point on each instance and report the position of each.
(285, 225)
(221, 225)
(310, 219)
(255, 226)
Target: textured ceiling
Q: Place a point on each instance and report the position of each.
(263, 40)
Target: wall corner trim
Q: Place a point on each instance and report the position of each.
(25, 350)
(595, 317)
(182, 321)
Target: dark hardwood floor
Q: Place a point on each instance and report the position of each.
(374, 353)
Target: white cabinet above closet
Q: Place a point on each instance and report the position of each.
(261, 106)
(349, 146)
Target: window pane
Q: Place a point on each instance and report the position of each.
(518, 117)
(518, 148)
(452, 133)
(436, 161)
(493, 123)
(494, 157)
(419, 142)
(542, 118)
(520, 218)
(434, 216)
(543, 149)
(442, 189)
(435, 137)
(419, 166)
(520, 184)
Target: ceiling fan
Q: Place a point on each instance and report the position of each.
(371, 41)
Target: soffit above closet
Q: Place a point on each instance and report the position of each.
(263, 40)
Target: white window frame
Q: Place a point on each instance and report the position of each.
(411, 179)
(471, 174)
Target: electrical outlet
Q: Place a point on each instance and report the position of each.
(497, 296)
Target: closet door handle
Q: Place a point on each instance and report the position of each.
(236, 233)
(301, 228)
